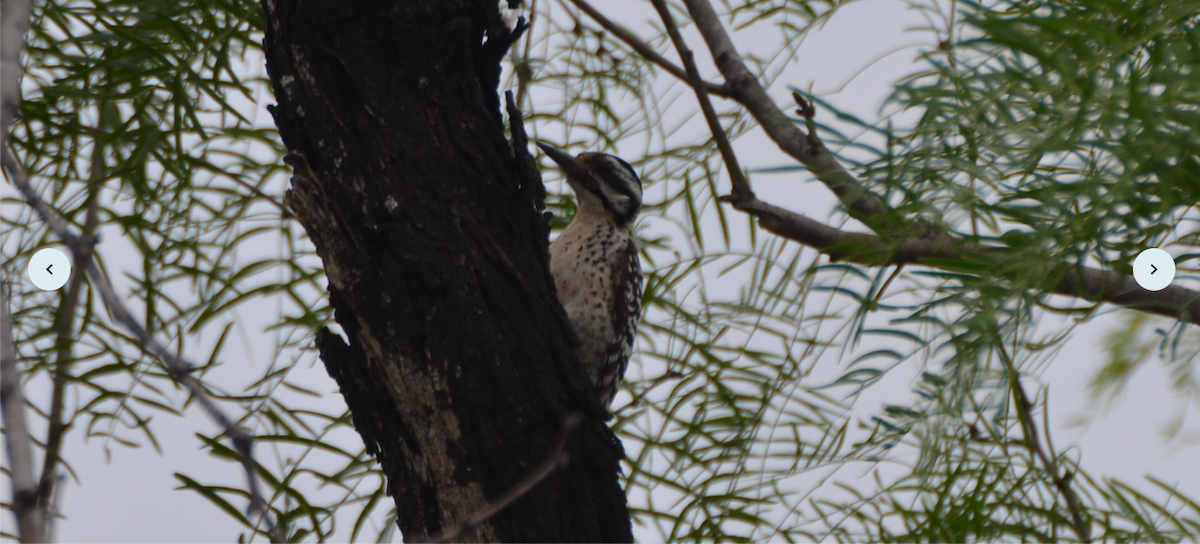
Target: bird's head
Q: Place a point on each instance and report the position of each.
(602, 183)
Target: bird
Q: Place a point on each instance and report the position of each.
(596, 266)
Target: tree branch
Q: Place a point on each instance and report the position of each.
(14, 22)
(1077, 281)
(16, 433)
(647, 51)
(741, 186)
(178, 368)
(745, 88)
(31, 523)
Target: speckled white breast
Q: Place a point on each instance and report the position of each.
(583, 261)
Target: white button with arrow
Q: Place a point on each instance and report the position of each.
(49, 269)
(1154, 269)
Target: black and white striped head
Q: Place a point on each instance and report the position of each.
(602, 183)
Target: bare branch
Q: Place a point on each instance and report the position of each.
(179, 369)
(557, 459)
(14, 22)
(741, 186)
(31, 518)
(745, 88)
(30, 523)
(1077, 281)
(645, 50)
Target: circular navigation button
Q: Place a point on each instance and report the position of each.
(1154, 269)
(49, 269)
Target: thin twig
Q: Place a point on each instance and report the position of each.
(1033, 442)
(556, 460)
(55, 509)
(741, 186)
(284, 212)
(886, 283)
(644, 49)
(64, 327)
(670, 375)
(179, 369)
(808, 110)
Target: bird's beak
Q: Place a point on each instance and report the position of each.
(566, 162)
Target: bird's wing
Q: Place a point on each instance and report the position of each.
(626, 312)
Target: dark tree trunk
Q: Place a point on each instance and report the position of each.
(458, 369)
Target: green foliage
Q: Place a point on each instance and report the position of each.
(1062, 132)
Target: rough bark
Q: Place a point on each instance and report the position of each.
(457, 364)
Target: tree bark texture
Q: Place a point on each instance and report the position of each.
(458, 364)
